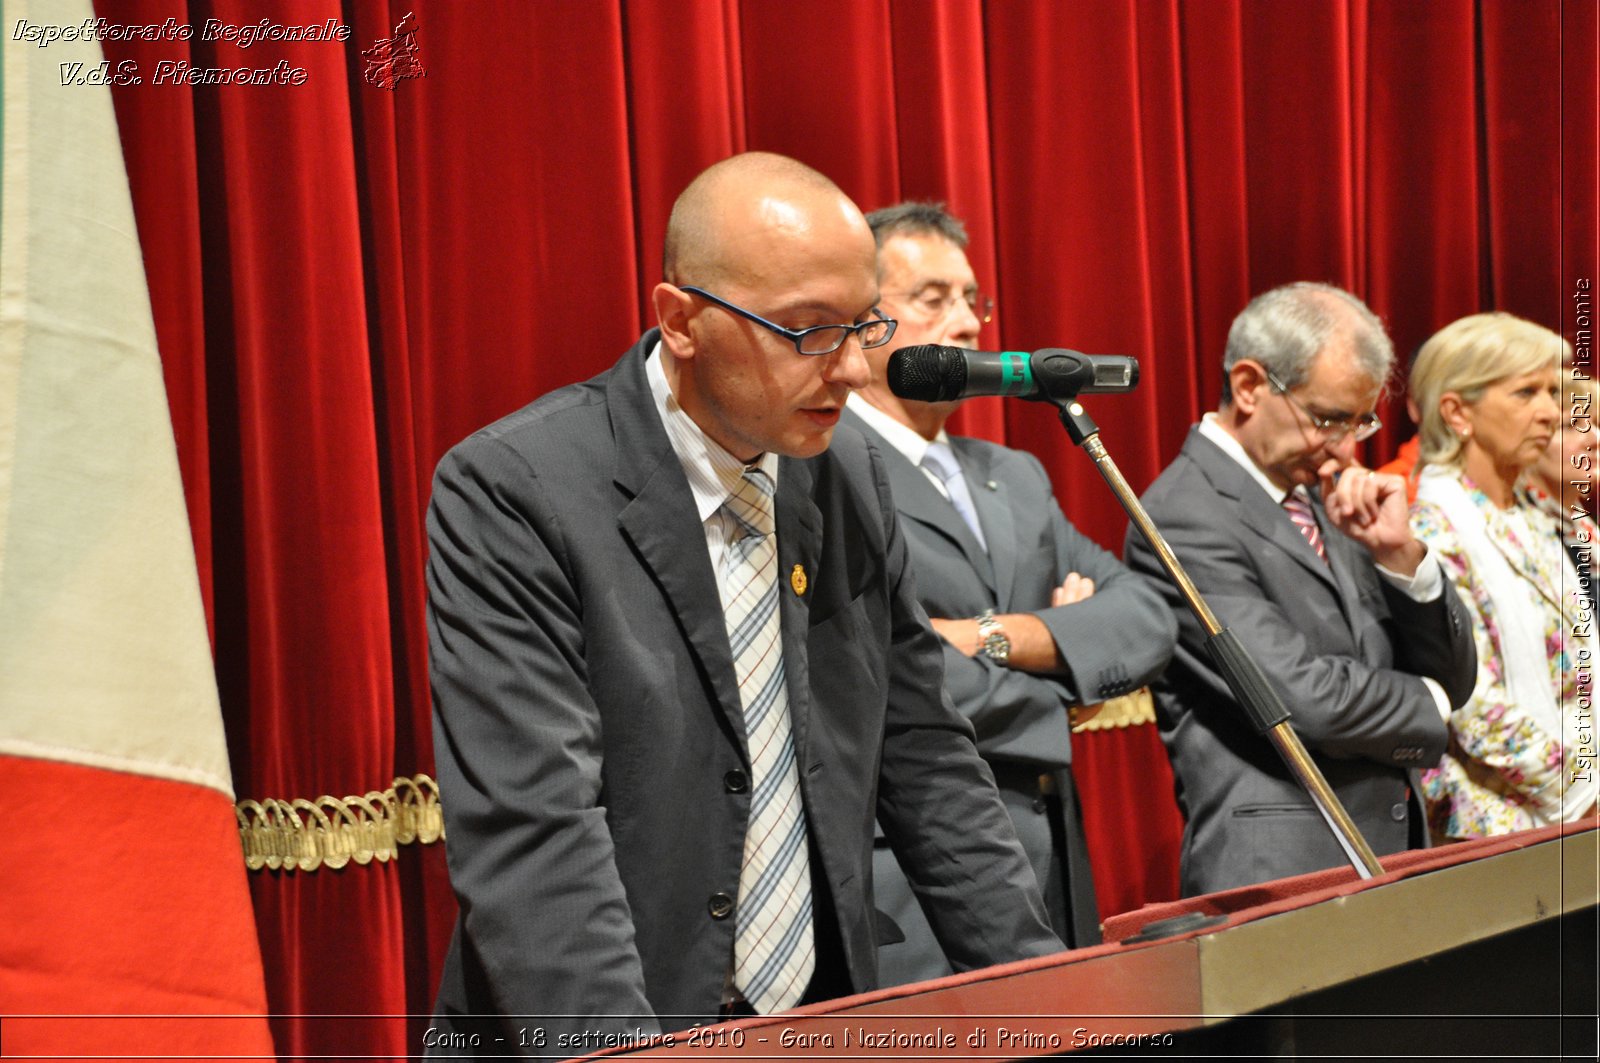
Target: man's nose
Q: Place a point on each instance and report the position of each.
(963, 326)
(848, 365)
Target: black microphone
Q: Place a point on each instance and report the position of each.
(929, 372)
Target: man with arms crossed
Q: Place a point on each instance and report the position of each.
(678, 667)
(1310, 560)
(1035, 617)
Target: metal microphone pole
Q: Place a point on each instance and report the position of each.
(1244, 677)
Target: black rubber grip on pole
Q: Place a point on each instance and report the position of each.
(1247, 681)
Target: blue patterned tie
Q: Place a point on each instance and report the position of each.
(940, 460)
(774, 954)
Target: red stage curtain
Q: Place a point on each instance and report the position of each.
(349, 279)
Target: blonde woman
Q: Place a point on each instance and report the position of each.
(1522, 750)
(1562, 482)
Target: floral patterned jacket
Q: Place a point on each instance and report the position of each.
(1503, 771)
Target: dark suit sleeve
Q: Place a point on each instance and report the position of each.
(1017, 716)
(517, 741)
(1340, 705)
(1435, 646)
(1122, 636)
(1116, 641)
(937, 801)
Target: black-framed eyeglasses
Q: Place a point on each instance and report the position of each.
(937, 300)
(818, 339)
(1333, 429)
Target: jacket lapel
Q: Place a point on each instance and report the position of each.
(799, 524)
(661, 522)
(916, 498)
(991, 498)
(1344, 555)
(1256, 509)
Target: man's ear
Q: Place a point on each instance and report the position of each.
(674, 307)
(1245, 380)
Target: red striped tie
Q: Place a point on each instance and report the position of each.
(1299, 510)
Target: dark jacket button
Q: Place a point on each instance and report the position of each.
(736, 781)
(720, 906)
(1399, 812)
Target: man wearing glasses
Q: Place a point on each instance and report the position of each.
(678, 669)
(1035, 618)
(1308, 557)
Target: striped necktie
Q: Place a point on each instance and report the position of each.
(1299, 510)
(773, 949)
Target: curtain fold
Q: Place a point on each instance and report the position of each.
(346, 279)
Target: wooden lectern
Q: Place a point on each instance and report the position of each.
(1481, 950)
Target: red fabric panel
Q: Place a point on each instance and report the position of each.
(817, 87)
(1131, 821)
(1073, 259)
(1166, 245)
(1300, 138)
(940, 92)
(1521, 52)
(300, 463)
(516, 209)
(681, 124)
(125, 896)
(427, 905)
(1422, 224)
(1214, 109)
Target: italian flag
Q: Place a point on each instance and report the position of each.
(125, 920)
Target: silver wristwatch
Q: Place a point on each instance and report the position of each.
(993, 642)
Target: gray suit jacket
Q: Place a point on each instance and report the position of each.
(1118, 640)
(1345, 650)
(590, 742)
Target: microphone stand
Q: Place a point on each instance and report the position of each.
(1244, 677)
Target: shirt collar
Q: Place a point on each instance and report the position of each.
(712, 471)
(901, 437)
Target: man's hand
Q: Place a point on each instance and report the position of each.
(1074, 588)
(1371, 508)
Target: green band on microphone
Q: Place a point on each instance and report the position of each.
(1016, 373)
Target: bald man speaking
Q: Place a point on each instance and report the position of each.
(678, 665)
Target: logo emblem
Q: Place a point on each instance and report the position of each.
(797, 580)
(393, 59)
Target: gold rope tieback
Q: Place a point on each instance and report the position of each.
(1129, 710)
(305, 835)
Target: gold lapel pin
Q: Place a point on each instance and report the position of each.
(797, 580)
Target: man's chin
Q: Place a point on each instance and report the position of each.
(1298, 476)
(807, 444)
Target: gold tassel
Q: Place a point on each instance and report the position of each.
(301, 835)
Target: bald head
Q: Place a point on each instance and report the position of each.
(759, 248)
(723, 225)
